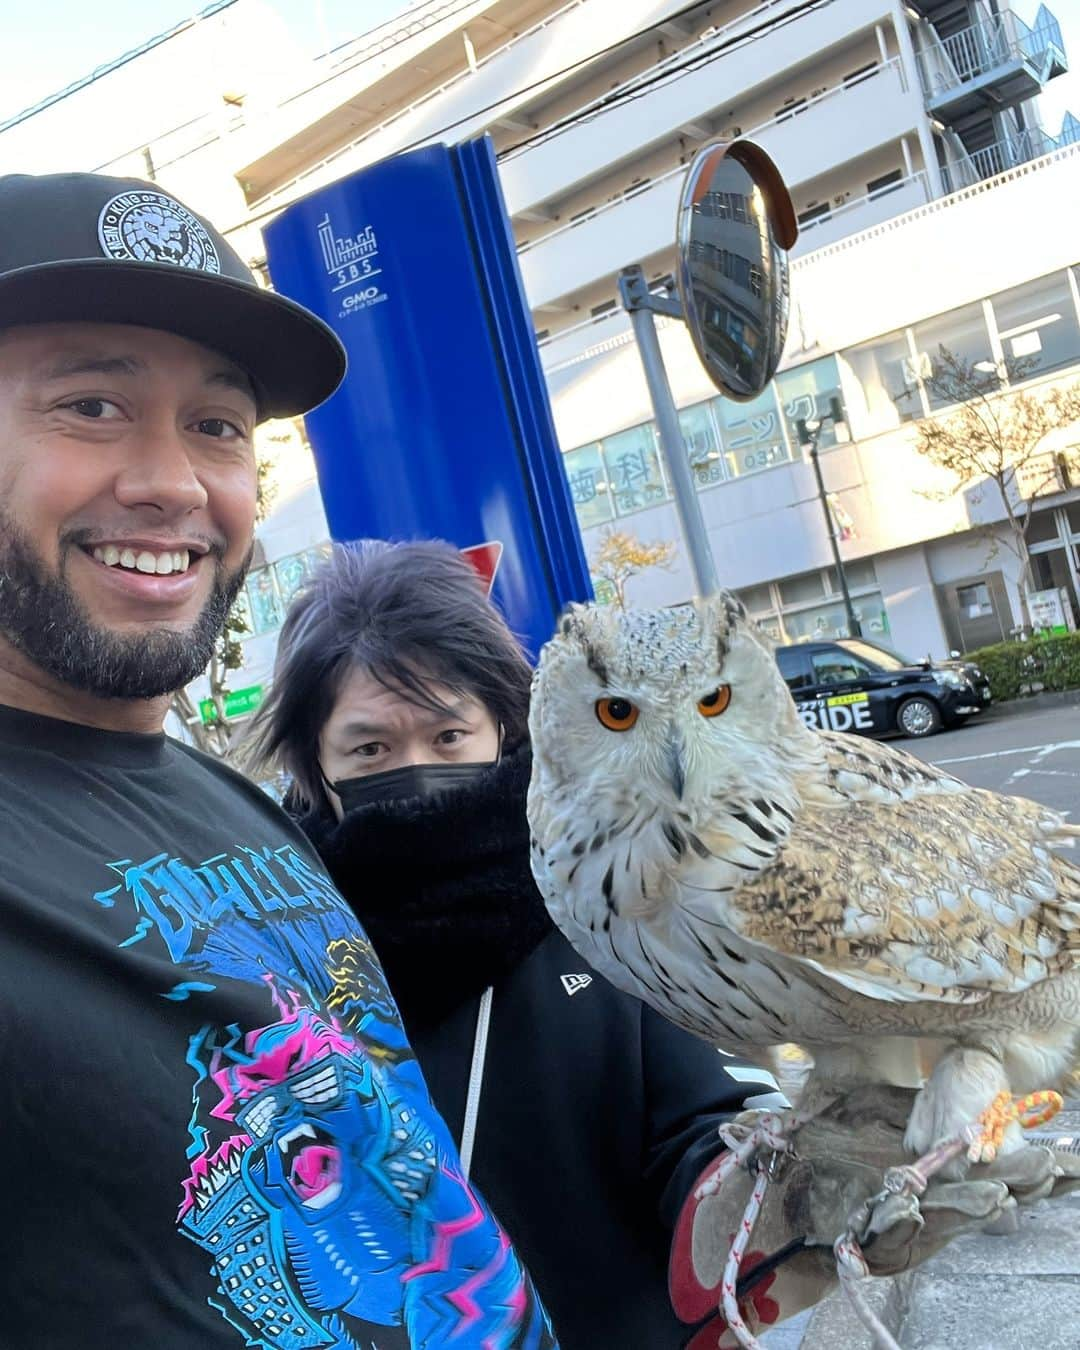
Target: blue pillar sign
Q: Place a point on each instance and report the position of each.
(442, 428)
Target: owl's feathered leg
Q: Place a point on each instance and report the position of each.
(965, 1082)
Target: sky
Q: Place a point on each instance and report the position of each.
(54, 42)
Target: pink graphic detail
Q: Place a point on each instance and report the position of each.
(485, 558)
(312, 1040)
(315, 1168)
(463, 1300)
(211, 1168)
(446, 1231)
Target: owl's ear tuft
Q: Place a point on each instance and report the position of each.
(569, 621)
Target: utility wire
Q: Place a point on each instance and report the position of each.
(110, 66)
(647, 81)
(586, 114)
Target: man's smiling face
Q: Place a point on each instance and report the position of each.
(127, 503)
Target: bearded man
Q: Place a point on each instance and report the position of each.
(216, 1132)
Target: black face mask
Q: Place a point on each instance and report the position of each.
(410, 780)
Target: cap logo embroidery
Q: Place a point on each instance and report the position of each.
(149, 227)
(573, 984)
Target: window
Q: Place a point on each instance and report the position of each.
(752, 434)
(792, 107)
(1043, 528)
(805, 393)
(589, 489)
(1037, 325)
(819, 211)
(858, 573)
(267, 612)
(974, 601)
(830, 620)
(794, 668)
(837, 666)
(799, 590)
(888, 182)
(963, 333)
(757, 599)
(633, 469)
(598, 311)
(702, 445)
(883, 369)
(862, 73)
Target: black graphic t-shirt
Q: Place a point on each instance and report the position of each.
(215, 1132)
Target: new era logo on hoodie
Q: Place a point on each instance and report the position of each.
(574, 983)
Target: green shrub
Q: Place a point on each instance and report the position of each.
(1018, 668)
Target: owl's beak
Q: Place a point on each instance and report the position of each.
(675, 761)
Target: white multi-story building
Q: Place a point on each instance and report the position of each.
(934, 207)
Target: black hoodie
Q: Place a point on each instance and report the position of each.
(595, 1115)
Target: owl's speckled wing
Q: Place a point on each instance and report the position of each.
(903, 884)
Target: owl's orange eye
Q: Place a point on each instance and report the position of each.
(617, 714)
(712, 705)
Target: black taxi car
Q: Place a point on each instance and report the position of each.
(852, 684)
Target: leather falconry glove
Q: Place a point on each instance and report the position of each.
(835, 1166)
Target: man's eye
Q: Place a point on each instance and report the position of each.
(98, 409)
(368, 750)
(220, 428)
(451, 737)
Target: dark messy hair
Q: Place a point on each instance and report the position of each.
(409, 615)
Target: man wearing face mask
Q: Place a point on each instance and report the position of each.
(399, 706)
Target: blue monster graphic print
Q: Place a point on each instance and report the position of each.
(336, 1207)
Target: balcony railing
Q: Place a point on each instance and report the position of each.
(948, 62)
(997, 158)
(754, 133)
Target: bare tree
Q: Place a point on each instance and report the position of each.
(622, 555)
(994, 437)
(213, 735)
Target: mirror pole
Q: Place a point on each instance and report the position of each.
(641, 305)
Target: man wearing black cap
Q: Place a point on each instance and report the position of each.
(216, 1133)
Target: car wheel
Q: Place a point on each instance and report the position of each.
(918, 716)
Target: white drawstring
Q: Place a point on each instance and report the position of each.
(476, 1080)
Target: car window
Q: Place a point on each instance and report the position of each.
(794, 668)
(835, 666)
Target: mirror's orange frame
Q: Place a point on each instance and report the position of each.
(767, 176)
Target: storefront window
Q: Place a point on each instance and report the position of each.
(830, 620)
(633, 469)
(963, 334)
(752, 434)
(1037, 325)
(805, 393)
(589, 487)
(889, 384)
(702, 445)
(292, 573)
(266, 608)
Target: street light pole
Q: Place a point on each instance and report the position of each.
(809, 438)
(641, 304)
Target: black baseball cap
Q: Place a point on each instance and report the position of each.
(84, 247)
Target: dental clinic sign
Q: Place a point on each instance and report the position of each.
(351, 262)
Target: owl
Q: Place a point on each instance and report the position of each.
(758, 881)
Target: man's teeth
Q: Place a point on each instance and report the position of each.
(161, 564)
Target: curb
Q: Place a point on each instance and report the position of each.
(1063, 698)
